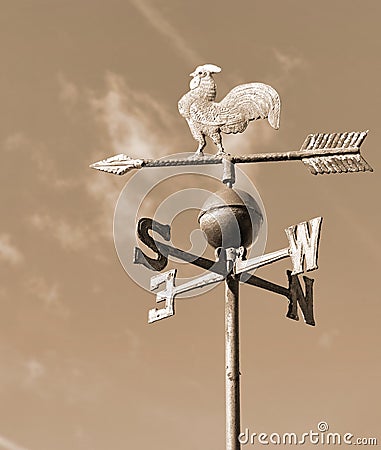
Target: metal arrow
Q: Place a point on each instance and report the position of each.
(322, 153)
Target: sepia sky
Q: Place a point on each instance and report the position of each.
(81, 80)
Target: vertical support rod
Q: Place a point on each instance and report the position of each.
(228, 175)
(232, 374)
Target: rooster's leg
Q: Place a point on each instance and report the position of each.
(201, 144)
(216, 137)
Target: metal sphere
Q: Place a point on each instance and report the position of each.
(230, 218)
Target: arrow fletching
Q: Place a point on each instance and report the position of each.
(118, 164)
(337, 142)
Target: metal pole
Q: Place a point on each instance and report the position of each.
(232, 363)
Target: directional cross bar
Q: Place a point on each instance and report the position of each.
(303, 250)
(243, 266)
(230, 265)
(294, 292)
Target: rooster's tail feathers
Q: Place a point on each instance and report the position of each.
(274, 113)
(247, 102)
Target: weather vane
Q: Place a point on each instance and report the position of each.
(231, 218)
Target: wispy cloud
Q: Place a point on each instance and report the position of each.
(35, 370)
(68, 92)
(38, 158)
(136, 125)
(355, 222)
(15, 141)
(7, 444)
(49, 294)
(9, 253)
(134, 121)
(133, 342)
(72, 237)
(327, 338)
(288, 62)
(165, 28)
(47, 169)
(105, 190)
(50, 375)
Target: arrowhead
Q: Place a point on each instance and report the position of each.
(118, 164)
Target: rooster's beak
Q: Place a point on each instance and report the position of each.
(192, 74)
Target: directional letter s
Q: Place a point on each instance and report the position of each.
(144, 226)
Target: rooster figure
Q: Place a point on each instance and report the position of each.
(242, 104)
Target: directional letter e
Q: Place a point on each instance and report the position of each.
(166, 295)
(304, 244)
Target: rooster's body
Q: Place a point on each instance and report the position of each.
(242, 104)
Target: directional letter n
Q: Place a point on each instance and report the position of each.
(304, 244)
(296, 297)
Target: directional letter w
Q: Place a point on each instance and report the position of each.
(304, 244)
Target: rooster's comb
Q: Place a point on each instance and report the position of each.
(207, 68)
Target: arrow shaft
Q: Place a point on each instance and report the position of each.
(319, 149)
(259, 157)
